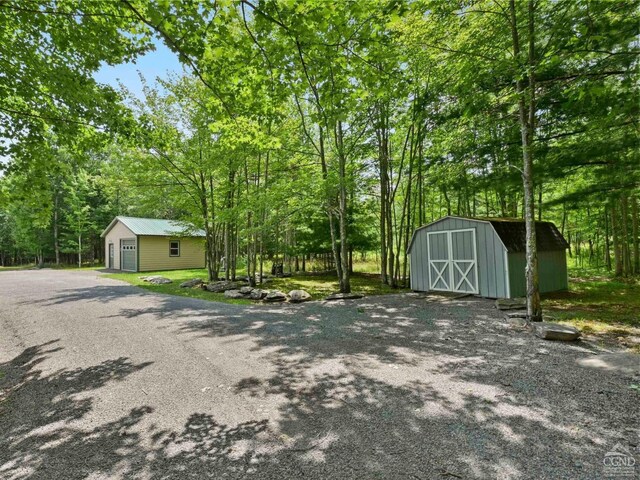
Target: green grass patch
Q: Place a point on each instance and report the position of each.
(53, 266)
(319, 285)
(601, 306)
(178, 276)
(16, 267)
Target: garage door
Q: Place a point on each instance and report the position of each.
(128, 255)
(453, 265)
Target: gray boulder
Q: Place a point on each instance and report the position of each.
(246, 290)
(275, 296)
(517, 323)
(234, 294)
(216, 287)
(191, 283)
(298, 296)
(555, 331)
(517, 319)
(257, 294)
(344, 296)
(157, 280)
(222, 286)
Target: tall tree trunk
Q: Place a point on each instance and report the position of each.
(251, 271)
(421, 213)
(635, 233)
(214, 234)
(228, 229)
(540, 202)
(527, 111)
(56, 227)
(615, 231)
(329, 207)
(383, 162)
(345, 281)
(626, 251)
(446, 198)
(607, 246)
(204, 210)
(264, 213)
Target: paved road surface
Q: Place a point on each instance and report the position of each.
(105, 380)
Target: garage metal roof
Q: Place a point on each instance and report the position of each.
(156, 227)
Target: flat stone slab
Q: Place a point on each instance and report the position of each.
(622, 362)
(511, 303)
(222, 286)
(257, 294)
(517, 322)
(275, 296)
(555, 331)
(344, 296)
(156, 279)
(191, 283)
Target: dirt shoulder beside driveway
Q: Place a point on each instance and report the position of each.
(105, 380)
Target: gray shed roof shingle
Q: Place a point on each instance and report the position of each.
(513, 234)
(156, 227)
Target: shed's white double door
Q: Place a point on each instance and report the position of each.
(453, 261)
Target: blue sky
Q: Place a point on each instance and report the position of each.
(158, 63)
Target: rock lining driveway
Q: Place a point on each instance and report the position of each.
(105, 380)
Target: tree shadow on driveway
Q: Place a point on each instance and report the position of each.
(95, 293)
(40, 439)
(379, 388)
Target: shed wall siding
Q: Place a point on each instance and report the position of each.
(153, 253)
(492, 270)
(552, 272)
(117, 233)
(517, 279)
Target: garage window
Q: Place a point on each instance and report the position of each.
(174, 248)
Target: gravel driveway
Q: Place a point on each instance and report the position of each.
(105, 380)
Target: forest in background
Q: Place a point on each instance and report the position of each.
(314, 130)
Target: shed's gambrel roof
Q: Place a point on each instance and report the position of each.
(512, 233)
(156, 227)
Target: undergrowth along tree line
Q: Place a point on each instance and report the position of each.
(313, 128)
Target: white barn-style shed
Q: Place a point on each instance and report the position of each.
(484, 256)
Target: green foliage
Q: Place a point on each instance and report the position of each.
(49, 52)
(601, 307)
(302, 117)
